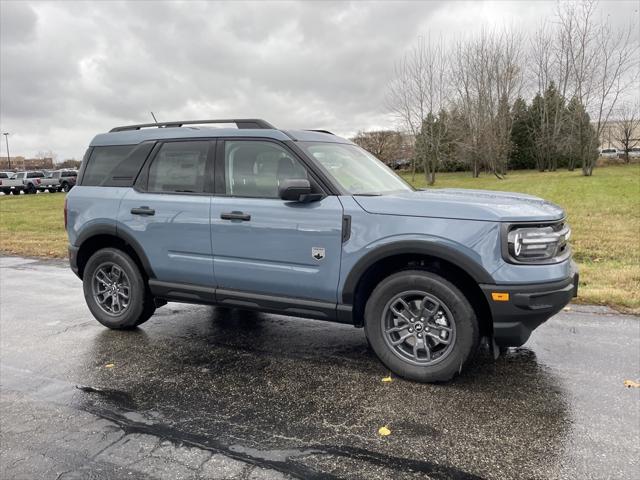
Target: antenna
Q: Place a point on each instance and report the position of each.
(154, 117)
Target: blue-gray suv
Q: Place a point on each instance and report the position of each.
(308, 224)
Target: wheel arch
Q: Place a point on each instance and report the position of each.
(442, 260)
(106, 236)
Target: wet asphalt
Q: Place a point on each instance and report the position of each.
(204, 392)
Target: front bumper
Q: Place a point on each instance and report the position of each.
(528, 307)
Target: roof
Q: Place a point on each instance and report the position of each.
(134, 134)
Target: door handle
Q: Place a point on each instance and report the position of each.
(245, 217)
(143, 211)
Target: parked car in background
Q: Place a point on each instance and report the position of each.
(634, 152)
(31, 181)
(9, 184)
(609, 153)
(60, 180)
(401, 164)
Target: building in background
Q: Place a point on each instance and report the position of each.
(21, 163)
(611, 134)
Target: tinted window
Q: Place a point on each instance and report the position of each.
(255, 169)
(179, 167)
(35, 175)
(69, 174)
(3, 175)
(104, 162)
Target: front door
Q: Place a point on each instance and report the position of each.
(265, 245)
(168, 213)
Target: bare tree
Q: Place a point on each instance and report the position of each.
(420, 90)
(487, 75)
(384, 144)
(627, 130)
(602, 61)
(550, 68)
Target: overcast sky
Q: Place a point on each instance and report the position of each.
(69, 70)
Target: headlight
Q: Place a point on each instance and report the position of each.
(531, 244)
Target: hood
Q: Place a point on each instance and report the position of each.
(464, 204)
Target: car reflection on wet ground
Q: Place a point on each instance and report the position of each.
(203, 392)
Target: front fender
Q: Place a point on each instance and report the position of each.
(438, 247)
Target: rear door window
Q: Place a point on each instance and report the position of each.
(179, 167)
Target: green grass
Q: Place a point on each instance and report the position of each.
(604, 213)
(33, 225)
(603, 210)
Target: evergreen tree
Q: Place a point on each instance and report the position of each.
(522, 150)
(580, 138)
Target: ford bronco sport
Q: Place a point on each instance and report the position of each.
(308, 224)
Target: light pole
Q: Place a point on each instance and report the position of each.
(6, 139)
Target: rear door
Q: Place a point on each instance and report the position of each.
(168, 211)
(265, 245)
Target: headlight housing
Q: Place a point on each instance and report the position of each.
(541, 243)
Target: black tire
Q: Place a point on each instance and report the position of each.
(31, 189)
(140, 305)
(65, 187)
(6, 191)
(458, 314)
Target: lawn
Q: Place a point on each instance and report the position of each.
(603, 210)
(33, 225)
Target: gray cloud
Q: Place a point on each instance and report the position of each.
(69, 70)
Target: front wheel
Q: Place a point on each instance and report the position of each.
(65, 187)
(421, 326)
(115, 290)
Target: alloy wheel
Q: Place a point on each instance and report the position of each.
(111, 288)
(418, 327)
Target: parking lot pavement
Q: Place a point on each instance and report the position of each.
(202, 392)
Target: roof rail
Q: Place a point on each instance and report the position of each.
(241, 123)
(320, 131)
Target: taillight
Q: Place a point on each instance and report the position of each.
(65, 213)
(0, 182)
(38, 181)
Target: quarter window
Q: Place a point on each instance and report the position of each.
(179, 167)
(256, 169)
(105, 162)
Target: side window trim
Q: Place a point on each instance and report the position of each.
(141, 183)
(221, 174)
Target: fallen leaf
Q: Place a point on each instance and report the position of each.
(109, 365)
(384, 431)
(566, 309)
(387, 379)
(631, 383)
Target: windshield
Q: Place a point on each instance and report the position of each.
(354, 169)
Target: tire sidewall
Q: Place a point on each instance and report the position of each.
(466, 338)
(130, 317)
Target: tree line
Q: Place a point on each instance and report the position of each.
(464, 102)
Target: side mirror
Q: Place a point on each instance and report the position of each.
(297, 190)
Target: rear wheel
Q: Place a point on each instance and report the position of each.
(65, 187)
(421, 326)
(115, 291)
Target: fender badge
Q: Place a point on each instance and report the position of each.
(317, 253)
